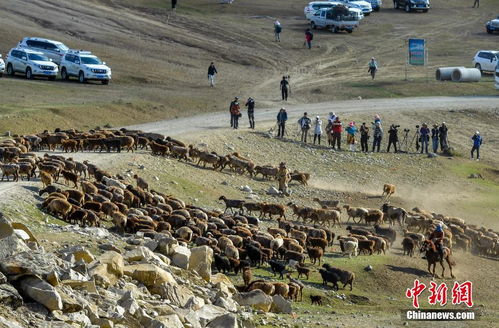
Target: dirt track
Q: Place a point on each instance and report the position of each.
(220, 120)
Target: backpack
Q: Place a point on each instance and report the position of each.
(278, 29)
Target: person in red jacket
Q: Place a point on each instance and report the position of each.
(235, 113)
(337, 129)
(308, 38)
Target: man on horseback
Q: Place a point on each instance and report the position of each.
(437, 237)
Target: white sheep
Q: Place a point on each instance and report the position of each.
(232, 252)
(349, 248)
(276, 243)
(113, 182)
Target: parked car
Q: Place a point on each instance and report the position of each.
(54, 50)
(375, 4)
(486, 60)
(363, 5)
(84, 66)
(30, 63)
(412, 5)
(339, 18)
(313, 6)
(492, 25)
(2, 66)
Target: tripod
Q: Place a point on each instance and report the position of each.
(404, 142)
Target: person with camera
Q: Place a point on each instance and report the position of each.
(251, 112)
(392, 137)
(282, 117)
(235, 113)
(434, 137)
(377, 136)
(424, 136)
(442, 131)
(305, 124)
(477, 142)
(317, 129)
(364, 137)
(337, 128)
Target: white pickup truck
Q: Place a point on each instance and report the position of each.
(339, 18)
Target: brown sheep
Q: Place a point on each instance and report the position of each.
(302, 271)
(267, 287)
(70, 177)
(318, 242)
(119, 221)
(409, 245)
(315, 253)
(247, 276)
(184, 233)
(281, 288)
(46, 178)
(158, 149)
(374, 216)
(294, 290)
(273, 209)
(266, 171)
(10, 169)
(366, 245)
(141, 183)
(302, 178)
(59, 207)
(388, 189)
(325, 216)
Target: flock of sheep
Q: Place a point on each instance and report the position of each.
(239, 243)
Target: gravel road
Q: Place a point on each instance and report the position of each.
(220, 120)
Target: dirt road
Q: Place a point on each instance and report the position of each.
(220, 120)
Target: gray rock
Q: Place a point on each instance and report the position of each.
(110, 247)
(4, 323)
(129, 304)
(255, 298)
(3, 279)
(42, 292)
(280, 305)
(178, 295)
(246, 188)
(29, 262)
(10, 296)
(227, 303)
(228, 320)
(209, 312)
(432, 155)
(180, 257)
(200, 261)
(10, 243)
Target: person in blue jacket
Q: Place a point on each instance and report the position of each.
(282, 117)
(477, 142)
(424, 136)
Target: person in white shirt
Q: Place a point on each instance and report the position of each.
(317, 129)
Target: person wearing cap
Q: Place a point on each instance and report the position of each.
(235, 113)
(437, 237)
(477, 142)
(305, 124)
(373, 67)
(317, 129)
(392, 138)
(337, 129)
(364, 137)
(282, 117)
(277, 31)
(434, 137)
(351, 131)
(424, 136)
(283, 176)
(331, 117)
(251, 112)
(377, 136)
(442, 133)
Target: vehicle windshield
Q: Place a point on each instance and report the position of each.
(37, 57)
(90, 60)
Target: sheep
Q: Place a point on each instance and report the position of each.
(409, 245)
(232, 203)
(294, 290)
(10, 169)
(300, 212)
(267, 287)
(486, 245)
(318, 242)
(241, 165)
(112, 182)
(158, 149)
(302, 178)
(266, 171)
(272, 209)
(26, 169)
(292, 255)
(232, 252)
(277, 243)
(327, 203)
(315, 253)
(276, 232)
(141, 183)
(366, 245)
(281, 288)
(302, 271)
(417, 237)
(252, 207)
(247, 276)
(236, 240)
(277, 267)
(355, 212)
(394, 214)
(379, 244)
(373, 215)
(221, 263)
(297, 234)
(387, 232)
(298, 283)
(295, 247)
(388, 189)
(59, 207)
(344, 276)
(255, 255)
(359, 231)
(349, 247)
(77, 216)
(119, 221)
(46, 179)
(326, 216)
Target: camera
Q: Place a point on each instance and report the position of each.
(396, 126)
(417, 126)
(406, 130)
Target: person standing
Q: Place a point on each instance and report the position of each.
(373, 67)
(282, 117)
(212, 71)
(174, 6)
(392, 138)
(308, 38)
(331, 117)
(235, 113)
(285, 88)
(317, 129)
(277, 31)
(283, 176)
(434, 137)
(424, 135)
(251, 112)
(477, 142)
(364, 137)
(305, 124)
(476, 3)
(337, 129)
(442, 133)
(377, 136)
(351, 131)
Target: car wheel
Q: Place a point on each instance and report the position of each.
(29, 74)
(1, 74)
(489, 31)
(313, 26)
(335, 29)
(10, 70)
(52, 78)
(64, 74)
(105, 82)
(81, 77)
(407, 8)
(377, 9)
(479, 67)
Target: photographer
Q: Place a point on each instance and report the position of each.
(305, 124)
(364, 137)
(424, 135)
(434, 137)
(393, 137)
(377, 136)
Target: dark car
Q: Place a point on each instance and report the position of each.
(412, 5)
(492, 25)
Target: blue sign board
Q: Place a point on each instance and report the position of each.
(417, 52)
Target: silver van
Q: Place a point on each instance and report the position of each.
(54, 50)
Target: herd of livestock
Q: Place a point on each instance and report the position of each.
(92, 196)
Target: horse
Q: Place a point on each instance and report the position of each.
(432, 256)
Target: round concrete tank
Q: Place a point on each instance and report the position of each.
(466, 75)
(445, 73)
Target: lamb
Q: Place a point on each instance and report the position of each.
(232, 203)
(355, 212)
(316, 299)
(222, 263)
(409, 245)
(10, 169)
(141, 183)
(366, 245)
(327, 203)
(46, 179)
(349, 247)
(277, 267)
(344, 276)
(387, 232)
(247, 276)
(302, 271)
(388, 189)
(315, 253)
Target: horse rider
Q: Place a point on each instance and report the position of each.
(437, 237)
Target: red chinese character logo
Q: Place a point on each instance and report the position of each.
(438, 294)
(462, 293)
(415, 292)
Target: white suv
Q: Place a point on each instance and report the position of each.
(31, 63)
(84, 66)
(54, 50)
(486, 60)
(2, 66)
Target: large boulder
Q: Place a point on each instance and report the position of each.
(200, 261)
(150, 275)
(281, 305)
(138, 254)
(10, 242)
(228, 320)
(29, 263)
(84, 255)
(10, 296)
(180, 257)
(209, 312)
(42, 292)
(178, 295)
(223, 283)
(107, 269)
(255, 298)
